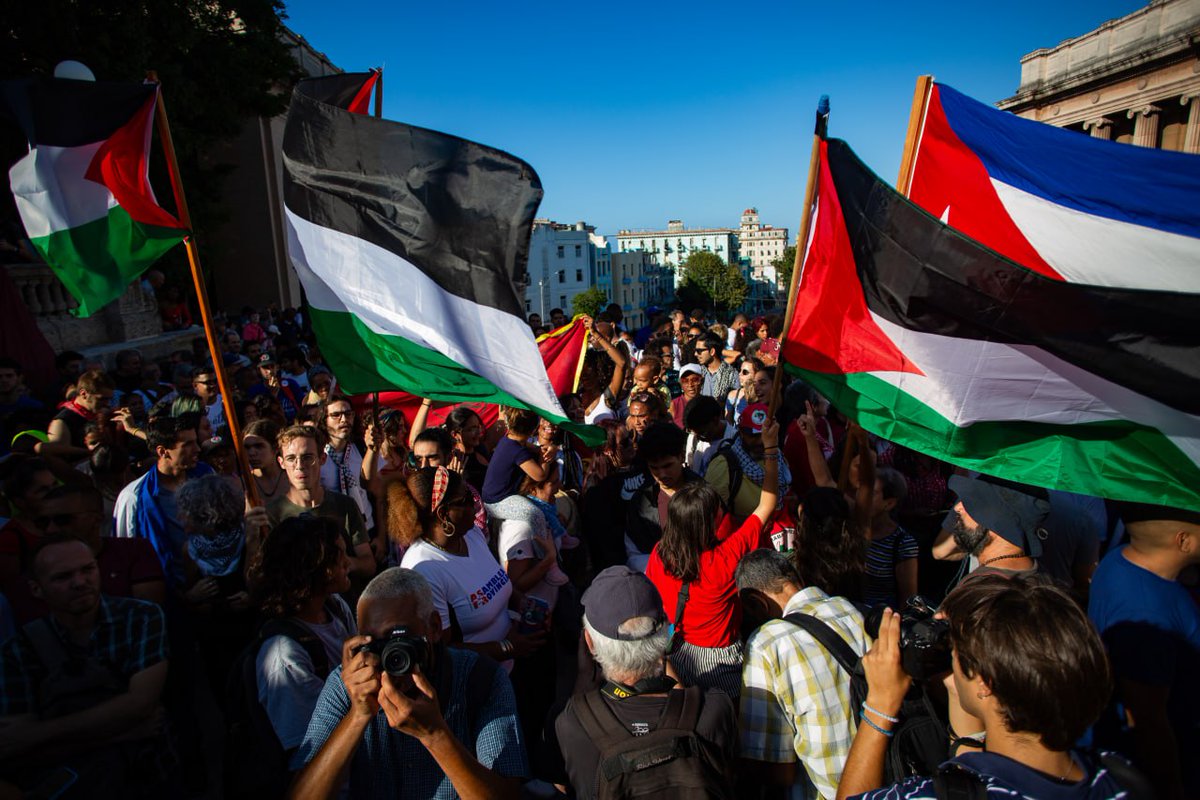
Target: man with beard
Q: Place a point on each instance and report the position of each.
(996, 524)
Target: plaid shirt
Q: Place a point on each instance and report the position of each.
(129, 634)
(796, 698)
(720, 383)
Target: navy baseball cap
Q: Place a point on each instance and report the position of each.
(1013, 511)
(619, 594)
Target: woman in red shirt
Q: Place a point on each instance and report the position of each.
(693, 565)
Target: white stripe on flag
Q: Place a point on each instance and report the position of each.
(393, 297)
(1100, 251)
(968, 381)
(52, 193)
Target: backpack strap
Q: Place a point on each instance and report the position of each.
(680, 603)
(828, 638)
(954, 783)
(684, 715)
(302, 635)
(1127, 776)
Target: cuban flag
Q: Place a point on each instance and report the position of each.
(1061, 203)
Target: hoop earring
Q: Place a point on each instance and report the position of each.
(447, 528)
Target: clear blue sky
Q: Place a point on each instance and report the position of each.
(633, 113)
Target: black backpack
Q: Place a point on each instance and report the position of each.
(256, 765)
(919, 743)
(954, 783)
(670, 762)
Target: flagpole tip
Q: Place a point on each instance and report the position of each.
(823, 105)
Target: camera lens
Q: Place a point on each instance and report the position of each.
(397, 661)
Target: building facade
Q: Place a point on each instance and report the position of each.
(1134, 80)
(760, 244)
(564, 260)
(672, 246)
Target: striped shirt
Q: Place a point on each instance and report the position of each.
(130, 636)
(795, 703)
(882, 557)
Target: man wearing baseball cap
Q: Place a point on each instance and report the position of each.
(285, 390)
(998, 523)
(736, 470)
(627, 633)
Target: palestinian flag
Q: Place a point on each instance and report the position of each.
(934, 342)
(83, 191)
(407, 243)
(1064, 204)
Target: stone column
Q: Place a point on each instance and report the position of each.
(1099, 128)
(1191, 134)
(1145, 127)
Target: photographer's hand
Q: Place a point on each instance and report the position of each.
(420, 716)
(360, 676)
(887, 682)
(416, 713)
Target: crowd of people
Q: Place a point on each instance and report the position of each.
(740, 593)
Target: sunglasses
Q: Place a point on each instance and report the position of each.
(58, 519)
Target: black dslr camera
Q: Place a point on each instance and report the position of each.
(400, 652)
(924, 641)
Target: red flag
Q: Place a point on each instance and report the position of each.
(562, 352)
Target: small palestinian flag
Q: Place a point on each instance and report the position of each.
(936, 343)
(407, 243)
(83, 190)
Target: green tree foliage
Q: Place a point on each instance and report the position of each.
(222, 63)
(710, 282)
(783, 268)
(589, 301)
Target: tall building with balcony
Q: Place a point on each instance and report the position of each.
(759, 245)
(1135, 79)
(672, 246)
(564, 260)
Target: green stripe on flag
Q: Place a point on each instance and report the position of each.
(366, 361)
(98, 260)
(1119, 459)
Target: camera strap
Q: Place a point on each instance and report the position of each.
(828, 638)
(656, 685)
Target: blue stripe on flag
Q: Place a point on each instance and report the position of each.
(1157, 189)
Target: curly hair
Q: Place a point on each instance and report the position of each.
(409, 504)
(210, 504)
(296, 562)
(830, 554)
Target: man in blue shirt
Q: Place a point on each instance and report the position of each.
(1151, 628)
(446, 729)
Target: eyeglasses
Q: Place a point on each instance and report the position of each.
(747, 372)
(703, 349)
(212, 382)
(340, 414)
(304, 459)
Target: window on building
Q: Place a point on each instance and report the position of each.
(578, 250)
(562, 300)
(560, 251)
(562, 276)
(579, 275)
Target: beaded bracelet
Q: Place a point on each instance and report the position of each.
(879, 713)
(866, 719)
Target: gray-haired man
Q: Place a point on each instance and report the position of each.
(405, 716)
(626, 631)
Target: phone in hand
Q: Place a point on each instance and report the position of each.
(534, 611)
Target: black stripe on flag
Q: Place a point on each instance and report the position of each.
(70, 113)
(922, 275)
(459, 211)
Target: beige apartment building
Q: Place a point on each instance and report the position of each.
(760, 245)
(1135, 79)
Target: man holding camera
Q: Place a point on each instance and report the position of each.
(405, 716)
(1025, 661)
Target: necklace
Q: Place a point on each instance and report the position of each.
(1001, 558)
(446, 550)
(274, 488)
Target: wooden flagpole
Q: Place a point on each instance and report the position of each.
(189, 243)
(916, 123)
(378, 115)
(810, 192)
